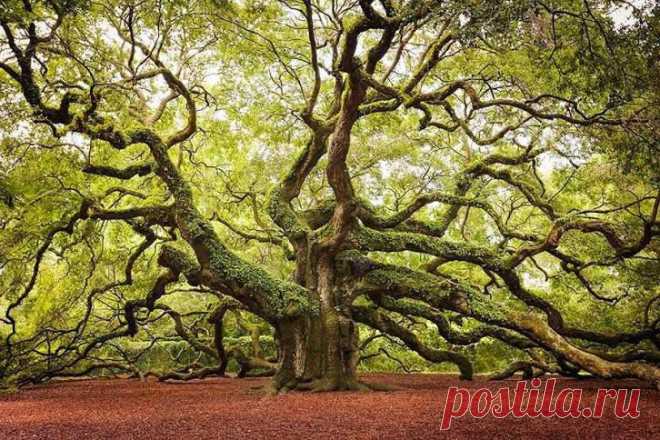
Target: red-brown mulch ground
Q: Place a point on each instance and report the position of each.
(234, 408)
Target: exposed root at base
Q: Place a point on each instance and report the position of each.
(329, 385)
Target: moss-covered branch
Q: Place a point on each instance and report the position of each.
(380, 321)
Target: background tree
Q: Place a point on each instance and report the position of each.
(321, 167)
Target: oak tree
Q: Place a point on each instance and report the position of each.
(333, 171)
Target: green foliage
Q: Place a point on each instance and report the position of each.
(247, 68)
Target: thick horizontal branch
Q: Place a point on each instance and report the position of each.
(380, 321)
(120, 173)
(366, 239)
(409, 307)
(401, 282)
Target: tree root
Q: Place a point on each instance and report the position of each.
(195, 374)
(331, 384)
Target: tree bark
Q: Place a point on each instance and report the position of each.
(319, 352)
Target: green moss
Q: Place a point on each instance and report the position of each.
(367, 239)
(284, 216)
(277, 299)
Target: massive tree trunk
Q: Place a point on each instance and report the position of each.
(319, 352)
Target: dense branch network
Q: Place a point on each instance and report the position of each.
(344, 247)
